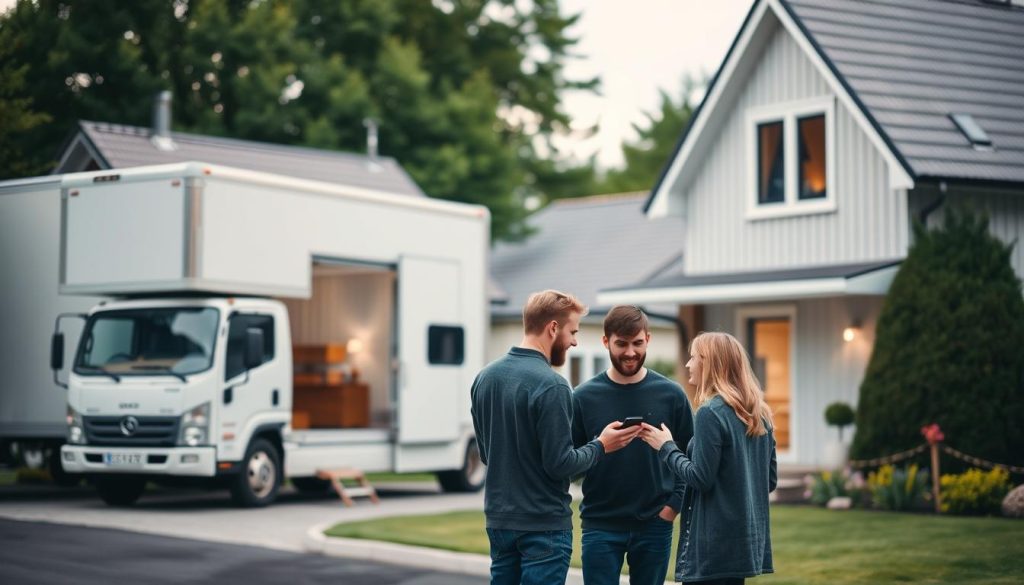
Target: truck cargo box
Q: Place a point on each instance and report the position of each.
(193, 227)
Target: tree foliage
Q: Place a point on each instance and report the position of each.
(948, 348)
(462, 89)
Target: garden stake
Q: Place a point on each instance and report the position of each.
(933, 434)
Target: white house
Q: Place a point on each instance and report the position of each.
(580, 246)
(830, 127)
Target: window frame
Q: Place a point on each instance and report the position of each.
(459, 331)
(271, 339)
(790, 113)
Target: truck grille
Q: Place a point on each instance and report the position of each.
(150, 431)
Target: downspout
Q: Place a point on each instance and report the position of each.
(934, 205)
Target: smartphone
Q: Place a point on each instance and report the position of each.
(631, 421)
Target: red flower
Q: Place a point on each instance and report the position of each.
(932, 433)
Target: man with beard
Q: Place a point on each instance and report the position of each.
(630, 498)
(522, 413)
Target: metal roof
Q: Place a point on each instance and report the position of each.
(583, 245)
(130, 146)
(913, 63)
(811, 273)
(820, 281)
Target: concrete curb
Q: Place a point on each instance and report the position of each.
(411, 556)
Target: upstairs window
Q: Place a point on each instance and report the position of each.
(791, 150)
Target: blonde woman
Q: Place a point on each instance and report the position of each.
(729, 468)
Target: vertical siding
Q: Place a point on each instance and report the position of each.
(870, 223)
(826, 368)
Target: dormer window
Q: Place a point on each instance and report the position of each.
(791, 149)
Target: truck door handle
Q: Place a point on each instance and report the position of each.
(229, 395)
(274, 397)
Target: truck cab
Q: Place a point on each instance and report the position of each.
(197, 388)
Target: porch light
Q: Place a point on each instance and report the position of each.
(850, 333)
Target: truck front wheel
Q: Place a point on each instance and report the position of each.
(120, 491)
(260, 478)
(469, 478)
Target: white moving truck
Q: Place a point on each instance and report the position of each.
(214, 273)
(32, 407)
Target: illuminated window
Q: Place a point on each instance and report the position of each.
(791, 153)
(811, 141)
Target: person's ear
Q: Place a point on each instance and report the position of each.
(553, 329)
(604, 340)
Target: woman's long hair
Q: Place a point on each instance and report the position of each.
(725, 371)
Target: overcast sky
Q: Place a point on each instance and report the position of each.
(637, 47)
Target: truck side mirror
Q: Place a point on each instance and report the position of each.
(57, 352)
(253, 348)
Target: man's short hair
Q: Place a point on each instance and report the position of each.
(547, 306)
(625, 321)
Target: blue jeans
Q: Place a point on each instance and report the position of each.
(529, 558)
(646, 549)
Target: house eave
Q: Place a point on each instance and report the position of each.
(874, 282)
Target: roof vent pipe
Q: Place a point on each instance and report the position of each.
(161, 136)
(371, 143)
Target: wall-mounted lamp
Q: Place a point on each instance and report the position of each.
(851, 332)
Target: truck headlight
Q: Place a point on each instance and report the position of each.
(76, 434)
(195, 426)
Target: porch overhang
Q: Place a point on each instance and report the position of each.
(780, 285)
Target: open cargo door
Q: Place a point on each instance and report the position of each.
(430, 350)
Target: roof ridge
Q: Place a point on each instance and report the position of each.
(240, 143)
(599, 198)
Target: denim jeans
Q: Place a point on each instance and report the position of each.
(646, 549)
(529, 558)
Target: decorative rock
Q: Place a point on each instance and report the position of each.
(1013, 503)
(840, 503)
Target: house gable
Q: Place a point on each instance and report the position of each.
(725, 231)
(764, 19)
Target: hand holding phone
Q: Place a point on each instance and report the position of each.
(631, 421)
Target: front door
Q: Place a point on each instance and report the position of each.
(769, 341)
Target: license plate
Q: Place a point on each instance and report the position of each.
(116, 459)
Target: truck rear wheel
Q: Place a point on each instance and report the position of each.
(118, 490)
(469, 478)
(260, 478)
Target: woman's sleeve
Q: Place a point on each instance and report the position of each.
(700, 471)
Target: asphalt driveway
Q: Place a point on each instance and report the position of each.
(41, 553)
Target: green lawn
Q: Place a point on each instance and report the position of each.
(401, 477)
(811, 545)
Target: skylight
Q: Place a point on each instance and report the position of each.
(972, 130)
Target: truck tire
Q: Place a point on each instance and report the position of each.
(120, 490)
(61, 477)
(311, 485)
(260, 478)
(470, 477)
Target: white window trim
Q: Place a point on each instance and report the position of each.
(788, 113)
(774, 311)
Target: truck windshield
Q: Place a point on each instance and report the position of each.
(178, 341)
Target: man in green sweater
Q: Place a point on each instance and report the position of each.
(522, 413)
(630, 498)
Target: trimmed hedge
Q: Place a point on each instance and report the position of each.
(949, 349)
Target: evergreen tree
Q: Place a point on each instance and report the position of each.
(657, 140)
(462, 90)
(949, 349)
